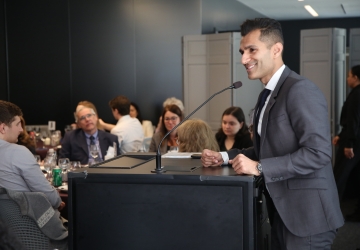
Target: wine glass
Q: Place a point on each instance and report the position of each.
(64, 164)
(94, 152)
(75, 165)
(49, 165)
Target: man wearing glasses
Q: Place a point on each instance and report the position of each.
(76, 144)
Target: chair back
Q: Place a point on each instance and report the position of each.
(25, 229)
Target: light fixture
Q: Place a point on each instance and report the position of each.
(311, 10)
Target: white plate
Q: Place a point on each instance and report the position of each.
(64, 187)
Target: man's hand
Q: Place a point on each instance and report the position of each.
(62, 205)
(211, 158)
(349, 153)
(243, 165)
(335, 140)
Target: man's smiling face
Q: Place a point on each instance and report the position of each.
(257, 57)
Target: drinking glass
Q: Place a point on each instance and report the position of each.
(49, 165)
(75, 165)
(64, 164)
(94, 152)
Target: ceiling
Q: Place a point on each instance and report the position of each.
(294, 9)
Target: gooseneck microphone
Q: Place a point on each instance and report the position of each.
(160, 169)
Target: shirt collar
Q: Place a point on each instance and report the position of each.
(88, 135)
(275, 78)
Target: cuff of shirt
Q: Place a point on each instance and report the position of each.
(225, 157)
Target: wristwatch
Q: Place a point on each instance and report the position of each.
(259, 168)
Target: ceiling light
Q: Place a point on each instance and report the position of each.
(311, 10)
(301, 0)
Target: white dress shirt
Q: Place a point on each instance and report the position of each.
(130, 134)
(271, 86)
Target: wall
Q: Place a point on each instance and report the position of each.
(56, 53)
(224, 15)
(62, 52)
(291, 31)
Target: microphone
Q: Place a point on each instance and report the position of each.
(158, 168)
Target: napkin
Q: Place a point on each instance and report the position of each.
(109, 153)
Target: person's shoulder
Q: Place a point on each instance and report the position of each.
(107, 135)
(19, 150)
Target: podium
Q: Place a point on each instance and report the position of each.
(121, 204)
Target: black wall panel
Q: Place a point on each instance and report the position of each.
(3, 65)
(38, 51)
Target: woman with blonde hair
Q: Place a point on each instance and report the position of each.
(195, 136)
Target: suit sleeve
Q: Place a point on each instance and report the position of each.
(299, 136)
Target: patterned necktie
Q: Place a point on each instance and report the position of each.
(92, 140)
(264, 94)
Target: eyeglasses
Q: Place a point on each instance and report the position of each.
(82, 118)
(174, 118)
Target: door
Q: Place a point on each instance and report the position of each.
(323, 61)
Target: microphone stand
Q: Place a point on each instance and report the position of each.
(160, 169)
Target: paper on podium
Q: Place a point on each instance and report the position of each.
(179, 154)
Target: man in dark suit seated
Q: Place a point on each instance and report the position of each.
(76, 144)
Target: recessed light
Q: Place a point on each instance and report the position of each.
(311, 10)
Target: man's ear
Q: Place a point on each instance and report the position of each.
(277, 49)
(2, 128)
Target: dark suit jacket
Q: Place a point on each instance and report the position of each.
(74, 146)
(295, 153)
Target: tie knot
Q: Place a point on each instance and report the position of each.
(92, 140)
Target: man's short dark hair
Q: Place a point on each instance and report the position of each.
(8, 111)
(121, 103)
(270, 30)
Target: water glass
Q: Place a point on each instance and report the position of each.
(64, 164)
(49, 165)
(75, 165)
(94, 152)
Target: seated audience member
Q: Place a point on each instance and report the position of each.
(195, 136)
(25, 139)
(128, 129)
(88, 105)
(146, 124)
(234, 132)
(171, 116)
(19, 170)
(167, 102)
(76, 143)
(134, 113)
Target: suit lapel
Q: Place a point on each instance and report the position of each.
(271, 103)
(102, 143)
(83, 143)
